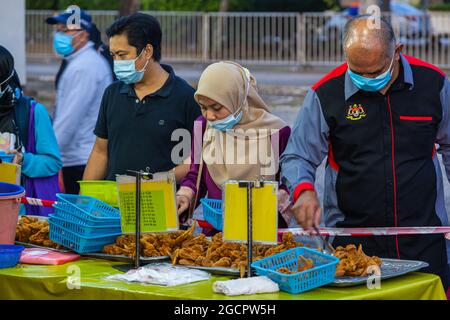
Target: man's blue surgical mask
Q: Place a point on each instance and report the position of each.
(372, 84)
(62, 43)
(125, 70)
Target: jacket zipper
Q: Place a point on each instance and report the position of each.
(394, 173)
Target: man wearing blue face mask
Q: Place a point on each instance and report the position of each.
(377, 117)
(141, 111)
(79, 92)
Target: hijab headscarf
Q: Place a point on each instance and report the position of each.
(9, 84)
(233, 87)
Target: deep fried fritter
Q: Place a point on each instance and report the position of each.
(31, 230)
(354, 262)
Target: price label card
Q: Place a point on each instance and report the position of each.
(158, 207)
(264, 213)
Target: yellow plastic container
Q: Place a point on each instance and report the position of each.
(105, 191)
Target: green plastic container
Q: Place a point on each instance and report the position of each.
(105, 191)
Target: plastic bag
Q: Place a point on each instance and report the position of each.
(46, 257)
(252, 285)
(164, 274)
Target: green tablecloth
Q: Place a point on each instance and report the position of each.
(50, 282)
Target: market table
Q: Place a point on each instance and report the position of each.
(51, 282)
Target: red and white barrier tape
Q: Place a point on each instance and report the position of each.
(364, 232)
(38, 202)
(332, 232)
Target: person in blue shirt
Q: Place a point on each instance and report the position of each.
(26, 131)
(79, 92)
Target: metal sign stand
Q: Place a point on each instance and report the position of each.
(249, 185)
(139, 176)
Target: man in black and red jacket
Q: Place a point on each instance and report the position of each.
(377, 117)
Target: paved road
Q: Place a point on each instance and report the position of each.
(192, 73)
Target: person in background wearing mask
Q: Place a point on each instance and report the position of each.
(95, 36)
(26, 131)
(139, 113)
(80, 88)
(377, 117)
(232, 108)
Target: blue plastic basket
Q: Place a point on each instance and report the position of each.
(82, 219)
(88, 208)
(79, 226)
(322, 274)
(8, 158)
(78, 243)
(212, 212)
(10, 255)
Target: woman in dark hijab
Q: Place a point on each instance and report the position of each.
(26, 131)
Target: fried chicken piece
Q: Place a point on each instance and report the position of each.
(200, 239)
(116, 250)
(32, 231)
(205, 262)
(304, 264)
(285, 271)
(223, 262)
(218, 237)
(242, 269)
(186, 262)
(275, 250)
(354, 262)
(185, 235)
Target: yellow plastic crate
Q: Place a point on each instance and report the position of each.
(105, 191)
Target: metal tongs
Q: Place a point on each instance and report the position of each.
(325, 241)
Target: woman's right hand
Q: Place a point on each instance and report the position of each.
(184, 199)
(182, 204)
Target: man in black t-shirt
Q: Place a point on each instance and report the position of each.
(140, 112)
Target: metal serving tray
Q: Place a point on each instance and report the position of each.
(390, 268)
(113, 257)
(30, 245)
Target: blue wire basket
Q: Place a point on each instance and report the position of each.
(82, 219)
(79, 226)
(322, 274)
(212, 212)
(86, 208)
(76, 242)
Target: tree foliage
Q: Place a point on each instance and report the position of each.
(191, 5)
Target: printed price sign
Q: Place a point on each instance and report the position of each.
(158, 207)
(264, 213)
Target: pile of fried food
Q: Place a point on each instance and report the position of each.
(34, 231)
(354, 262)
(186, 249)
(152, 245)
(302, 265)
